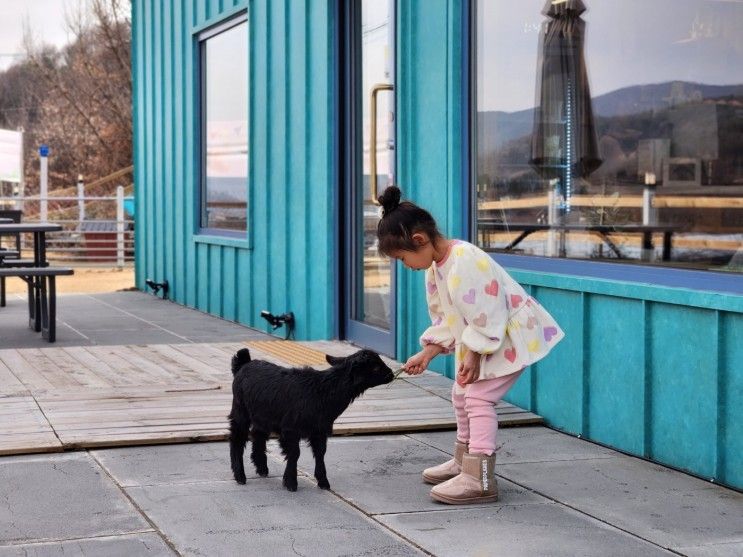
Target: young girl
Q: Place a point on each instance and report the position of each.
(480, 313)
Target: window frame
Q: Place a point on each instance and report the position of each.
(207, 234)
(699, 280)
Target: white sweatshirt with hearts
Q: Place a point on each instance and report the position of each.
(476, 305)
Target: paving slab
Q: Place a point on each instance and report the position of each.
(667, 507)
(514, 530)
(262, 518)
(58, 497)
(527, 444)
(382, 474)
(175, 464)
(733, 549)
(146, 545)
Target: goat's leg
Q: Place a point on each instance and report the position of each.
(258, 452)
(289, 442)
(239, 428)
(319, 443)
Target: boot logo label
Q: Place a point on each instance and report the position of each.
(484, 465)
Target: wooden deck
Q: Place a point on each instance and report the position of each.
(54, 399)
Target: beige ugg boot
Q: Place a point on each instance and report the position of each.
(476, 483)
(447, 470)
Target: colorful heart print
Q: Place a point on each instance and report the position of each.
(483, 264)
(481, 320)
(516, 300)
(492, 288)
(550, 333)
(431, 287)
(469, 298)
(510, 354)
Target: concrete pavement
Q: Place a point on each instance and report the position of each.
(559, 496)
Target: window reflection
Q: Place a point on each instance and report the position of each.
(225, 106)
(645, 164)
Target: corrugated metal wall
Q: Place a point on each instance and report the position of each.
(652, 371)
(429, 140)
(287, 261)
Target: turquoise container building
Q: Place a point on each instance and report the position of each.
(265, 130)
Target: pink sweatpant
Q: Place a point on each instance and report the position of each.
(477, 422)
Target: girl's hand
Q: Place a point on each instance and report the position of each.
(469, 369)
(417, 364)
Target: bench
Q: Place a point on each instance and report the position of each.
(42, 295)
(8, 259)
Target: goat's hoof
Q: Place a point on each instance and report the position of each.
(323, 484)
(290, 485)
(240, 479)
(262, 472)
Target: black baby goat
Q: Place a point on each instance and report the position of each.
(294, 403)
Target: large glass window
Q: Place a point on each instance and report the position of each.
(224, 117)
(610, 130)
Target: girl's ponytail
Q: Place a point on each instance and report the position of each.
(400, 220)
(390, 200)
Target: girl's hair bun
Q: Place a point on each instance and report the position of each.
(390, 199)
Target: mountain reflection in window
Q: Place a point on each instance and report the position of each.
(666, 103)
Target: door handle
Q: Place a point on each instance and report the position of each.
(373, 138)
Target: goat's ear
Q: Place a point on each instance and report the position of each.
(334, 360)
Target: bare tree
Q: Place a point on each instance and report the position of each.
(82, 95)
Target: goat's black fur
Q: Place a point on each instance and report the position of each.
(294, 403)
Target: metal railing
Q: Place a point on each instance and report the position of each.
(96, 229)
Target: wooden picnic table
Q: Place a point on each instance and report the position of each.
(37, 274)
(603, 230)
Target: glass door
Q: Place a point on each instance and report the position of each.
(368, 152)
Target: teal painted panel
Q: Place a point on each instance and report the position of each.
(730, 435)
(168, 92)
(615, 372)
(683, 359)
(558, 379)
(634, 290)
(216, 273)
(321, 249)
(429, 154)
(179, 153)
(139, 136)
(202, 278)
(291, 165)
(521, 392)
(229, 286)
(190, 160)
(245, 306)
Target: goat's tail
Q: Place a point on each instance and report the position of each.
(240, 358)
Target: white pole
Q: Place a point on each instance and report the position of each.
(649, 214)
(120, 226)
(80, 198)
(551, 220)
(43, 189)
(21, 187)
